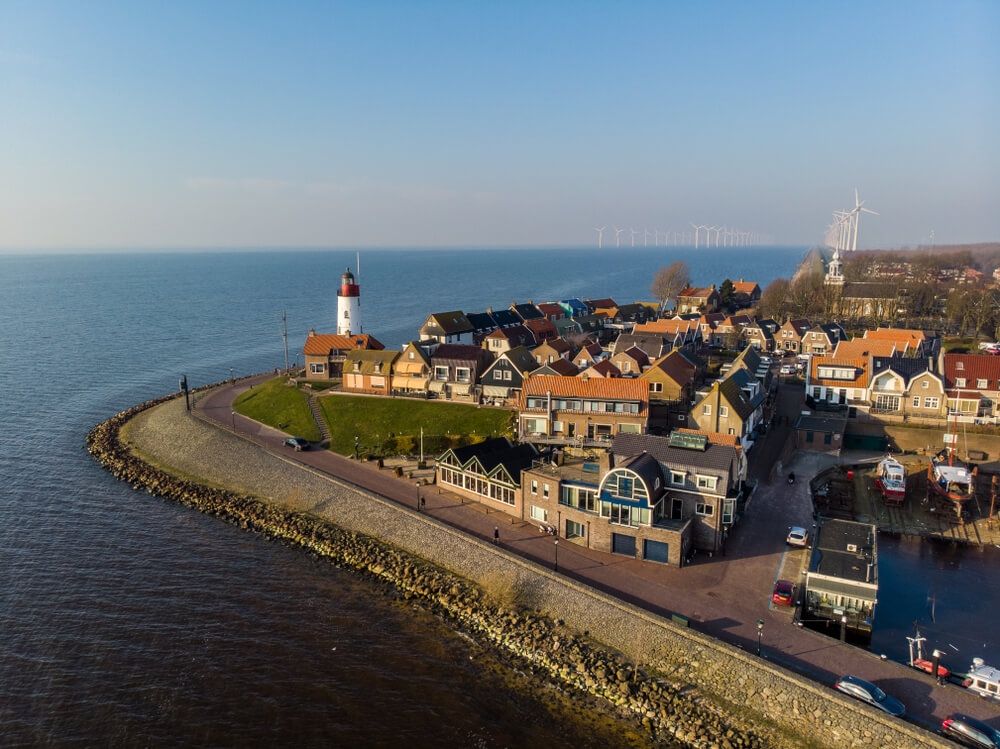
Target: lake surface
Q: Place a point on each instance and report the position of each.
(128, 620)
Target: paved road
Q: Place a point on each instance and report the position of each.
(723, 596)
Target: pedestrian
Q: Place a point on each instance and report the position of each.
(423, 504)
(496, 534)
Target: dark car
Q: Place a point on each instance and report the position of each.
(783, 593)
(865, 691)
(969, 731)
(298, 443)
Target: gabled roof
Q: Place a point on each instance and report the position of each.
(603, 368)
(859, 347)
(715, 438)
(637, 355)
(735, 321)
(550, 309)
(715, 456)
(542, 328)
(505, 318)
(905, 367)
(697, 292)
(859, 366)
(417, 350)
(749, 358)
(746, 287)
(655, 345)
(557, 344)
(711, 319)
(900, 336)
(323, 344)
(368, 361)
(606, 303)
(578, 307)
(519, 336)
(675, 366)
(481, 321)
(799, 324)
(495, 452)
(527, 311)
(558, 368)
(616, 388)
(669, 326)
(448, 322)
(568, 325)
(458, 351)
(757, 330)
(519, 358)
(973, 367)
(733, 394)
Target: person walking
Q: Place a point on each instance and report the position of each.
(496, 534)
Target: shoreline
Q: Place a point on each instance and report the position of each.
(665, 708)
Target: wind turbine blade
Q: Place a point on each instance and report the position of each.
(874, 213)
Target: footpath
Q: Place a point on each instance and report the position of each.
(724, 597)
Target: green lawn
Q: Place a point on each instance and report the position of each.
(276, 404)
(373, 420)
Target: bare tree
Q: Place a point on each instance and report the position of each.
(669, 282)
(774, 299)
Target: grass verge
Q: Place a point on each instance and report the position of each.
(278, 405)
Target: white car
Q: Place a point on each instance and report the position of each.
(797, 537)
(787, 369)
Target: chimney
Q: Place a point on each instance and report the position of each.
(713, 287)
(606, 462)
(741, 280)
(489, 310)
(311, 332)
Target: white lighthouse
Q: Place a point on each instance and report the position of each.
(348, 306)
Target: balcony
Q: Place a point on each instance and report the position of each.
(603, 441)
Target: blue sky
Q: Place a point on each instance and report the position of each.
(132, 125)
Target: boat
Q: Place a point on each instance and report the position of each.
(951, 479)
(890, 478)
(983, 680)
(917, 659)
(922, 664)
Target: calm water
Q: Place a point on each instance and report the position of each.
(127, 620)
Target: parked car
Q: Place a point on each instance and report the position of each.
(782, 594)
(969, 731)
(797, 536)
(865, 691)
(298, 443)
(787, 369)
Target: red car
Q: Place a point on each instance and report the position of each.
(782, 593)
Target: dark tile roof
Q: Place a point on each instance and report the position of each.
(559, 367)
(459, 351)
(527, 311)
(505, 318)
(905, 367)
(521, 358)
(481, 322)
(451, 322)
(654, 346)
(499, 451)
(606, 303)
(731, 391)
(718, 457)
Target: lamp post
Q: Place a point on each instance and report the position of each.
(760, 632)
(843, 628)
(230, 374)
(555, 544)
(234, 420)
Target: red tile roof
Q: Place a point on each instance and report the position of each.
(603, 368)
(697, 292)
(860, 367)
(900, 336)
(973, 368)
(321, 344)
(619, 388)
(675, 366)
(745, 287)
(859, 347)
(716, 438)
(665, 325)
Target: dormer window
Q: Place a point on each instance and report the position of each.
(980, 383)
(357, 366)
(959, 365)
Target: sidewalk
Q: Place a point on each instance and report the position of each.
(722, 596)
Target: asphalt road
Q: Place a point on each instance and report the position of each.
(724, 596)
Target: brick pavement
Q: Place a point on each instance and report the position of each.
(723, 596)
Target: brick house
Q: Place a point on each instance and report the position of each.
(550, 350)
(603, 368)
(746, 293)
(631, 362)
(368, 371)
(733, 405)
(505, 339)
(448, 327)
(789, 335)
(697, 299)
(325, 353)
(906, 387)
(972, 382)
(567, 410)
(822, 339)
(487, 472)
(455, 370)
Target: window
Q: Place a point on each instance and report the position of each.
(724, 411)
(681, 417)
(575, 530)
(809, 436)
(462, 374)
(440, 373)
(557, 426)
(703, 509)
(412, 355)
(656, 387)
(706, 409)
(317, 368)
(677, 478)
(925, 384)
(540, 514)
(930, 402)
(545, 491)
(707, 482)
(916, 401)
(534, 487)
(506, 375)
(346, 314)
(728, 511)
(981, 383)
(960, 382)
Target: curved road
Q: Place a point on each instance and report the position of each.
(724, 597)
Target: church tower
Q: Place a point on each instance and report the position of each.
(348, 306)
(835, 271)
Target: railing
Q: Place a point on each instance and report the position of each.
(551, 439)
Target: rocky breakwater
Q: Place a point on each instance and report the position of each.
(495, 611)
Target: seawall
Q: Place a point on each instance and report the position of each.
(689, 687)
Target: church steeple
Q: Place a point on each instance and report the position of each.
(835, 270)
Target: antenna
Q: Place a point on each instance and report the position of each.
(284, 336)
(357, 266)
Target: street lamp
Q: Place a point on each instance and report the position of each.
(234, 420)
(760, 632)
(230, 374)
(843, 628)
(556, 545)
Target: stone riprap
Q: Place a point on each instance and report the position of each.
(689, 688)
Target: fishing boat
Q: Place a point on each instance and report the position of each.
(917, 659)
(951, 479)
(890, 478)
(983, 680)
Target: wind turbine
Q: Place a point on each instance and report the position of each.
(696, 228)
(618, 237)
(645, 237)
(656, 237)
(717, 229)
(858, 210)
(634, 232)
(600, 235)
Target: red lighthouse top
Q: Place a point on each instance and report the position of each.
(347, 285)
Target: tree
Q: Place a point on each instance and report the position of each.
(727, 295)
(774, 299)
(669, 282)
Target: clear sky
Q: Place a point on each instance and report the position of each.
(367, 124)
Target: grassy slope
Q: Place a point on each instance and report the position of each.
(282, 407)
(372, 419)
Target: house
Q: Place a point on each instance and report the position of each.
(542, 329)
(729, 332)
(636, 312)
(906, 387)
(455, 370)
(789, 335)
(822, 339)
(487, 472)
(972, 383)
(654, 345)
(568, 328)
(820, 432)
(325, 353)
(551, 311)
(708, 324)
(842, 581)
(907, 342)
(558, 368)
(549, 351)
(749, 360)
(574, 307)
(595, 304)
(671, 378)
(631, 362)
(678, 331)
(505, 318)
(588, 355)
(603, 368)
(733, 405)
(652, 498)
(857, 348)
(746, 293)
(411, 370)
(482, 325)
(697, 299)
(369, 371)
(503, 378)
(448, 327)
(760, 335)
(505, 339)
(527, 311)
(839, 381)
(567, 410)
(594, 326)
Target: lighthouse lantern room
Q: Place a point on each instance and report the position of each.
(348, 306)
